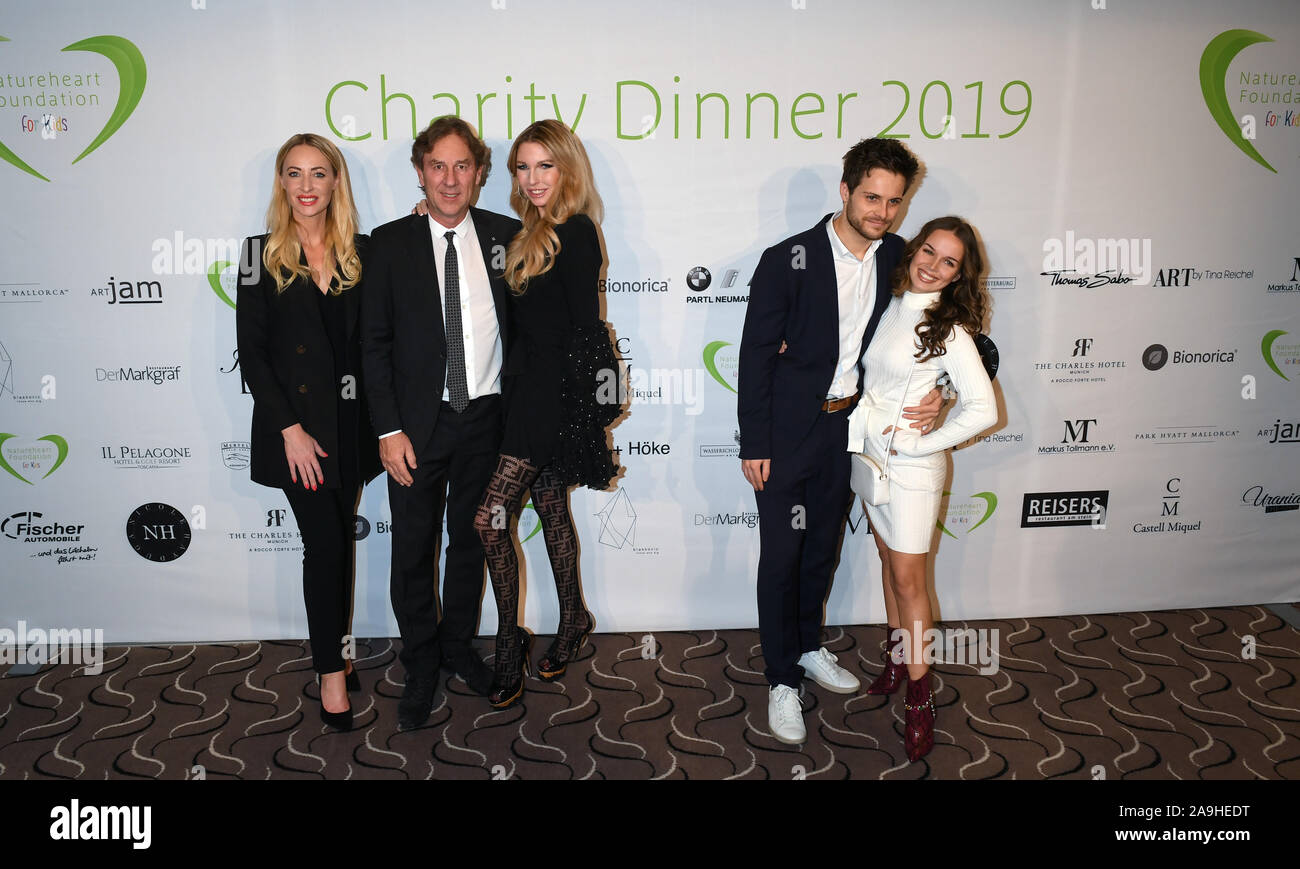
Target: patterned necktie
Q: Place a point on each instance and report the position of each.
(457, 388)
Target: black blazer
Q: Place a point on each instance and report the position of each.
(403, 339)
(794, 297)
(287, 361)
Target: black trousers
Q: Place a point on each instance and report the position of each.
(800, 513)
(327, 521)
(453, 471)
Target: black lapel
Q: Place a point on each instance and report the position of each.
(426, 273)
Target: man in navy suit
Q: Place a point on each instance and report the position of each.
(433, 335)
(814, 303)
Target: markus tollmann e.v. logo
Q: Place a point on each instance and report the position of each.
(55, 97)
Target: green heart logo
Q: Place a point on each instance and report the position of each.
(130, 66)
(711, 364)
(1214, 85)
(990, 504)
(214, 280)
(61, 446)
(537, 519)
(1266, 347)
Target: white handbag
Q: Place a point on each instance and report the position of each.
(867, 478)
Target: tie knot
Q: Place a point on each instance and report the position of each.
(449, 235)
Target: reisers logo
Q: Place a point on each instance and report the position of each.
(63, 90)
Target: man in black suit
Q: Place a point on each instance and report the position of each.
(814, 303)
(433, 335)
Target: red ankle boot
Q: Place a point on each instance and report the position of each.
(918, 734)
(894, 673)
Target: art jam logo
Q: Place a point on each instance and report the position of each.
(158, 532)
(70, 89)
(1064, 509)
(1281, 432)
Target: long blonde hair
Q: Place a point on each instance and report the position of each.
(283, 252)
(534, 249)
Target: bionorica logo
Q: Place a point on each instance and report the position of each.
(73, 88)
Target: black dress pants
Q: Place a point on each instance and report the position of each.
(327, 521)
(453, 470)
(800, 513)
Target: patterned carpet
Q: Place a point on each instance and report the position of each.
(1208, 694)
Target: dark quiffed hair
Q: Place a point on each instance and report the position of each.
(888, 154)
(451, 125)
(964, 302)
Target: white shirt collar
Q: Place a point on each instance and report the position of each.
(460, 229)
(840, 251)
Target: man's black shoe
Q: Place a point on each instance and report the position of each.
(417, 701)
(470, 667)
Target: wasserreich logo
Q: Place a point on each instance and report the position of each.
(23, 458)
(1257, 88)
(1280, 355)
(970, 514)
(723, 364)
(52, 90)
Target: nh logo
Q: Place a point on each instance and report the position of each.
(1081, 346)
(1076, 431)
(159, 532)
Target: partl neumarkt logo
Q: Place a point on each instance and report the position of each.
(1264, 95)
(53, 97)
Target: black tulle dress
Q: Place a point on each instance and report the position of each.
(560, 376)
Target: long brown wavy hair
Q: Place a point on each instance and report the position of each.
(283, 252)
(535, 247)
(964, 302)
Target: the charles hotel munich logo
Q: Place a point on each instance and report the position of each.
(49, 100)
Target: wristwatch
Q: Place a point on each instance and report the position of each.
(944, 385)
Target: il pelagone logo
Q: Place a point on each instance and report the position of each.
(44, 99)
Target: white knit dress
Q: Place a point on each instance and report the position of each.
(916, 474)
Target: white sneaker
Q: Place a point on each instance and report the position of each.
(785, 715)
(821, 667)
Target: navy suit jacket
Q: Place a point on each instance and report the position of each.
(403, 335)
(794, 297)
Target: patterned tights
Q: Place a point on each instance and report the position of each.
(501, 503)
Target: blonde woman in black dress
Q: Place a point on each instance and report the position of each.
(554, 434)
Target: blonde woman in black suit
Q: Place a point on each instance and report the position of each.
(300, 354)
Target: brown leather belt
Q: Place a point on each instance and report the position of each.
(840, 403)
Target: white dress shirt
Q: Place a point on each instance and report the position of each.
(478, 316)
(856, 279)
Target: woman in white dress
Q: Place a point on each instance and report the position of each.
(927, 330)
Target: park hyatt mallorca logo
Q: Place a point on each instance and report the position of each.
(1064, 509)
(1256, 88)
(1083, 365)
(968, 514)
(1089, 263)
(29, 460)
(65, 91)
(1185, 434)
(1281, 356)
(1079, 436)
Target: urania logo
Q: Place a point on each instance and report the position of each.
(221, 277)
(722, 365)
(1216, 58)
(32, 456)
(1278, 355)
(128, 61)
(979, 509)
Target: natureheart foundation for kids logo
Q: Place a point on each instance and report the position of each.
(972, 513)
(722, 364)
(222, 279)
(43, 454)
(1259, 89)
(128, 61)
